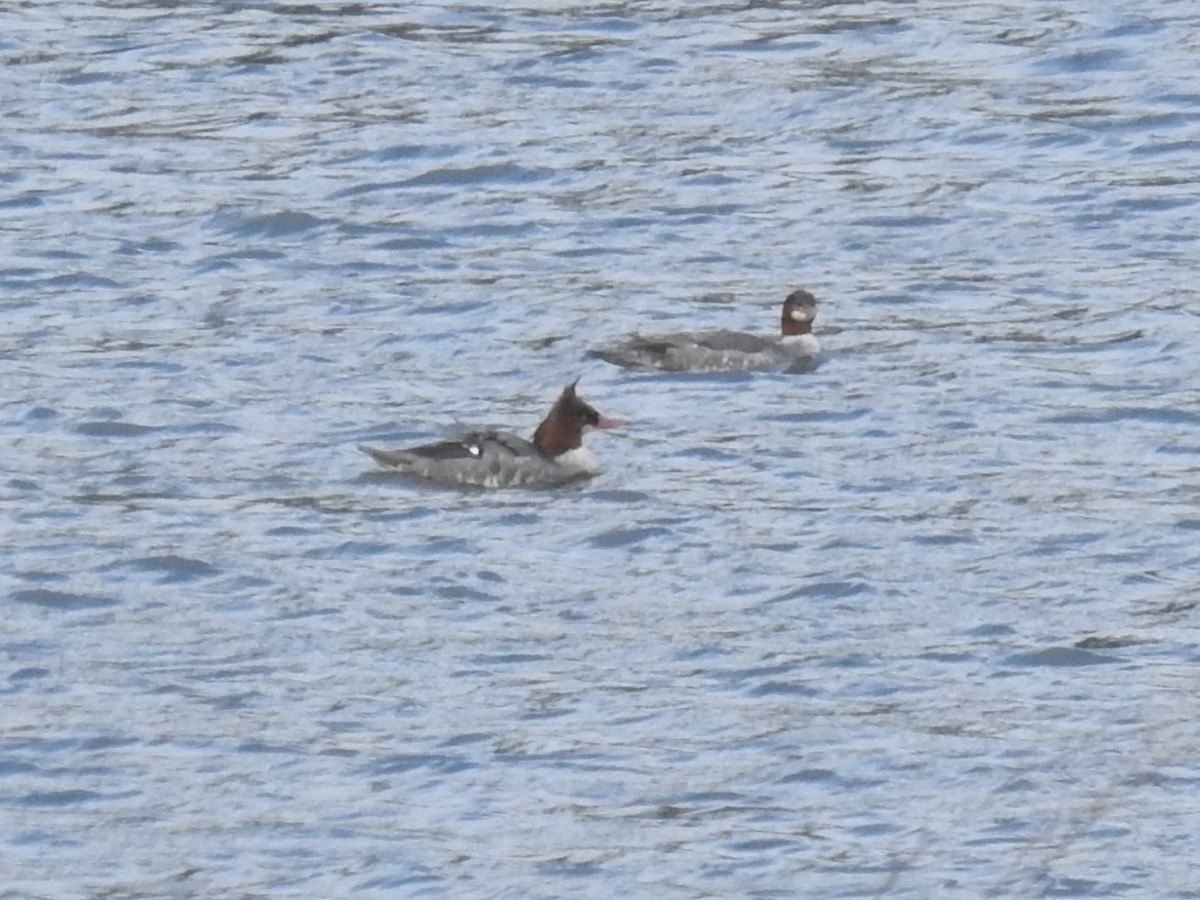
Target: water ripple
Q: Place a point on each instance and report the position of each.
(914, 621)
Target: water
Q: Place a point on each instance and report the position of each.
(918, 624)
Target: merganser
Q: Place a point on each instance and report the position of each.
(795, 350)
(494, 459)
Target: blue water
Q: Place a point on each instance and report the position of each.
(920, 624)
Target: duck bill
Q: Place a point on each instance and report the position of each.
(605, 422)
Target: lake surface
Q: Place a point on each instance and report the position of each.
(919, 624)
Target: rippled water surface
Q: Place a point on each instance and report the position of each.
(919, 624)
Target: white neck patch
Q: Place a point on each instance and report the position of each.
(580, 459)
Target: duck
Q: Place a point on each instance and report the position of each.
(554, 455)
(796, 349)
